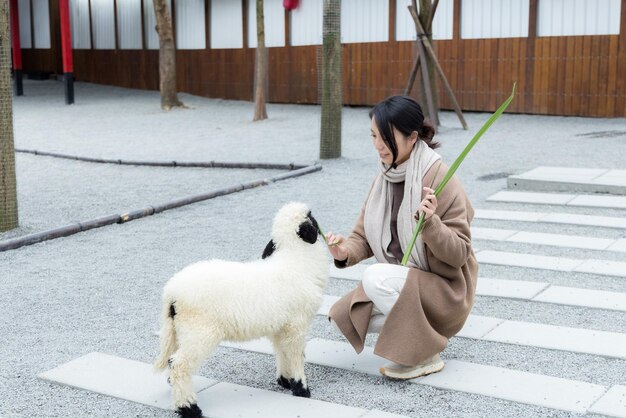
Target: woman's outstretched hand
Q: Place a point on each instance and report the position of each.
(428, 205)
(336, 246)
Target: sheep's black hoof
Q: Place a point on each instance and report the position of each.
(191, 411)
(283, 382)
(298, 389)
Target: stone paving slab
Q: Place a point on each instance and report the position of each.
(555, 240)
(617, 202)
(227, 400)
(497, 382)
(592, 201)
(603, 267)
(120, 378)
(590, 298)
(135, 381)
(504, 258)
(476, 326)
(564, 179)
(612, 404)
(515, 385)
(514, 289)
(517, 289)
(587, 220)
(492, 234)
(577, 340)
(534, 198)
(487, 328)
(555, 217)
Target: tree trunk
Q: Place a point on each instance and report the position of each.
(8, 192)
(425, 10)
(167, 56)
(330, 141)
(260, 74)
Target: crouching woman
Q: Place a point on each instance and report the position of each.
(415, 309)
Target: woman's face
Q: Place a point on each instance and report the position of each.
(403, 143)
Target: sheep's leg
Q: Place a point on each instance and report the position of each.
(283, 374)
(193, 347)
(293, 344)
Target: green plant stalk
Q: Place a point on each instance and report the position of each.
(319, 229)
(454, 167)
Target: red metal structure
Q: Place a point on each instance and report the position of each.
(17, 49)
(290, 4)
(66, 49)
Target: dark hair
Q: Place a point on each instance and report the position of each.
(404, 114)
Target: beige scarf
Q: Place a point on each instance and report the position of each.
(378, 206)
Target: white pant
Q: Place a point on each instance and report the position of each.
(382, 284)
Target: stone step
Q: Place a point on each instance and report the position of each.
(136, 382)
(582, 200)
(496, 382)
(554, 240)
(525, 290)
(592, 266)
(554, 217)
(562, 179)
(576, 340)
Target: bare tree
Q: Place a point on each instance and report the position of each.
(427, 55)
(260, 74)
(167, 56)
(8, 192)
(330, 140)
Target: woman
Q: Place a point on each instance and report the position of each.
(415, 309)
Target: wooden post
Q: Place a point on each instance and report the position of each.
(8, 189)
(260, 73)
(116, 27)
(17, 48)
(207, 24)
(448, 89)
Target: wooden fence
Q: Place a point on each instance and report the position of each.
(564, 75)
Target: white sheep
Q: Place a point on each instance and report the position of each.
(275, 297)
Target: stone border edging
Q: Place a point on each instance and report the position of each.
(210, 164)
(72, 229)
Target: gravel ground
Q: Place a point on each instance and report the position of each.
(100, 290)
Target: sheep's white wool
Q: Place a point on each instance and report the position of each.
(219, 300)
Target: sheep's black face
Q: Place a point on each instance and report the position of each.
(309, 229)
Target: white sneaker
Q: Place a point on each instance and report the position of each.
(398, 371)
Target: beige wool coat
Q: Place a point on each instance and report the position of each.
(432, 306)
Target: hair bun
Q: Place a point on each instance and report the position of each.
(426, 134)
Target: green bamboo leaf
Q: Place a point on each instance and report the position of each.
(455, 166)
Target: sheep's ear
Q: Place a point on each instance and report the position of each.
(308, 232)
(269, 249)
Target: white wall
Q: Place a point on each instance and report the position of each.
(23, 9)
(79, 20)
(103, 24)
(578, 17)
(442, 23)
(190, 24)
(149, 21)
(364, 21)
(226, 24)
(306, 23)
(494, 18)
(274, 19)
(129, 24)
(41, 23)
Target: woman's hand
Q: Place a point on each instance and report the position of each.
(428, 205)
(336, 246)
